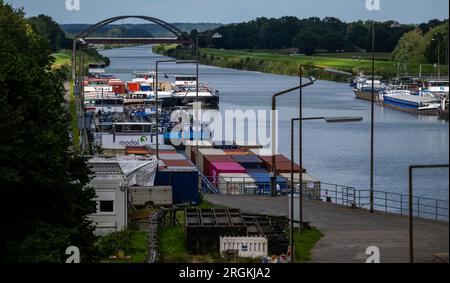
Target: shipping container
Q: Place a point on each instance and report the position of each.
(207, 159)
(132, 86)
(205, 151)
(225, 145)
(224, 167)
(262, 151)
(235, 183)
(283, 164)
(311, 185)
(162, 148)
(145, 87)
(249, 161)
(137, 150)
(262, 178)
(237, 152)
(177, 163)
(118, 87)
(189, 145)
(172, 156)
(184, 183)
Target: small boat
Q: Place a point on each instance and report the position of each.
(363, 89)
(412, 102)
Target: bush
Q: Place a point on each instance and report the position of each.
(111, 244)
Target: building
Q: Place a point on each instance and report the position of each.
(110, 187)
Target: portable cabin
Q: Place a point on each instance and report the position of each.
(110, 187)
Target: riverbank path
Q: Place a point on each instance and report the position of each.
(348, 232)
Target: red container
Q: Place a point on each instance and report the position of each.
(193, 154)
(224, 167)
(133, 86)
(208, 159)
(118, 88)
(137, 150)
(283, 164)
(236, 151)
(278, 158)
(177, 163)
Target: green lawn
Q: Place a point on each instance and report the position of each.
(268, 62)
(64, 57)
(381, 56)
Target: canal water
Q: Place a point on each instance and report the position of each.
(333, 153)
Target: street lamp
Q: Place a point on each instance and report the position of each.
(157, 98)
(197, 112)
(299, 87)
(438, 39)
(328, 120)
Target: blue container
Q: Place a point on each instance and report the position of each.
(262, 178)
(144, 87)
(184, 184)
(249, 161)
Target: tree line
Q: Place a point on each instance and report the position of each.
(311, 34)
(43, 181)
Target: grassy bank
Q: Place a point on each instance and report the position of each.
(64, 58)
(73, 116)
(288, 65)
(304, 243)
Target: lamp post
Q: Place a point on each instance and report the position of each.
(197, 112)
(293, 120)
(438, 53)
(410, 201)
(157, 98)
(273, 184)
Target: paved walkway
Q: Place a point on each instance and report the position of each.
(348, 232)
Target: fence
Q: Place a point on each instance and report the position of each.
(348, 196)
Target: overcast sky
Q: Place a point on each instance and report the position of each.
(231, 11)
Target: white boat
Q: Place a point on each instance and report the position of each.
(440, 87)
(185, 92)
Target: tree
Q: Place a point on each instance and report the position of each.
(50, 30)
(43, 182)
(438, 34)
(306, 42)
(409, 48)
(356, 35)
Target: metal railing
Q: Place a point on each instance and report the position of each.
(347, 196)
(387, 202)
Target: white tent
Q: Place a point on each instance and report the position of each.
(139, 171)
